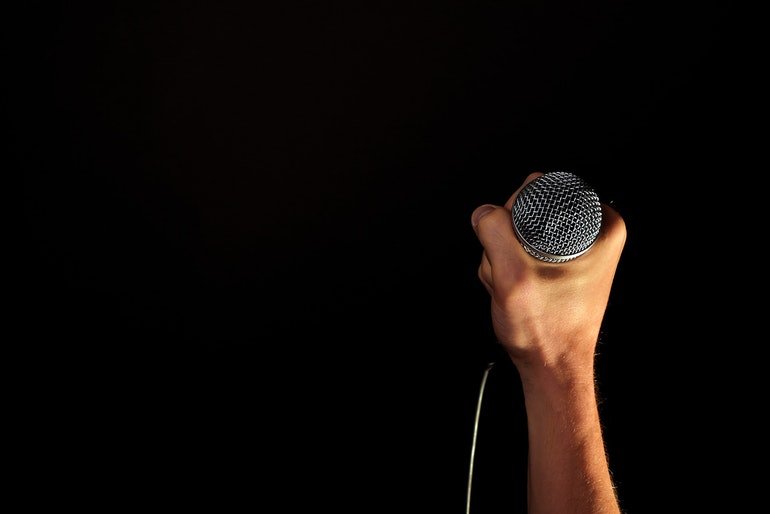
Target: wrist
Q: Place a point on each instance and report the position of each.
(561, 395)
(572, 374)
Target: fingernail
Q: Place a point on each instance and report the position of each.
(480, 212)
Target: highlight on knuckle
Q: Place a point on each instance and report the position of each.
(533, 175)
(619, 230)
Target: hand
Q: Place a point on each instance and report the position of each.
(547, 316)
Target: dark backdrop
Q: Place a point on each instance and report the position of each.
(250, 258)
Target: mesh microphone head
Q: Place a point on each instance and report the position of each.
(557, 217)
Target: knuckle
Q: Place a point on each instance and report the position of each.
(618, 229)
(533, 176)
(615, 225)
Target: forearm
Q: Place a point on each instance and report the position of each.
(547, 317)
(568, 470)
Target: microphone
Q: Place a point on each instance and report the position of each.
(557, 217)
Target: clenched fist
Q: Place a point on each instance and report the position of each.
(546, 315)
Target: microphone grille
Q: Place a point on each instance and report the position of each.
(557, 217)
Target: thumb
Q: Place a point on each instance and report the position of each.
(479, 213)
(494, 228)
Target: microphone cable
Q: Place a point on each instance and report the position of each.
(483, 386)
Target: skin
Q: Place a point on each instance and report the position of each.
(547, 317)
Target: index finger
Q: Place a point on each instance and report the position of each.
(530, 178)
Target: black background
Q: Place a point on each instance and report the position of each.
(251, 264)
